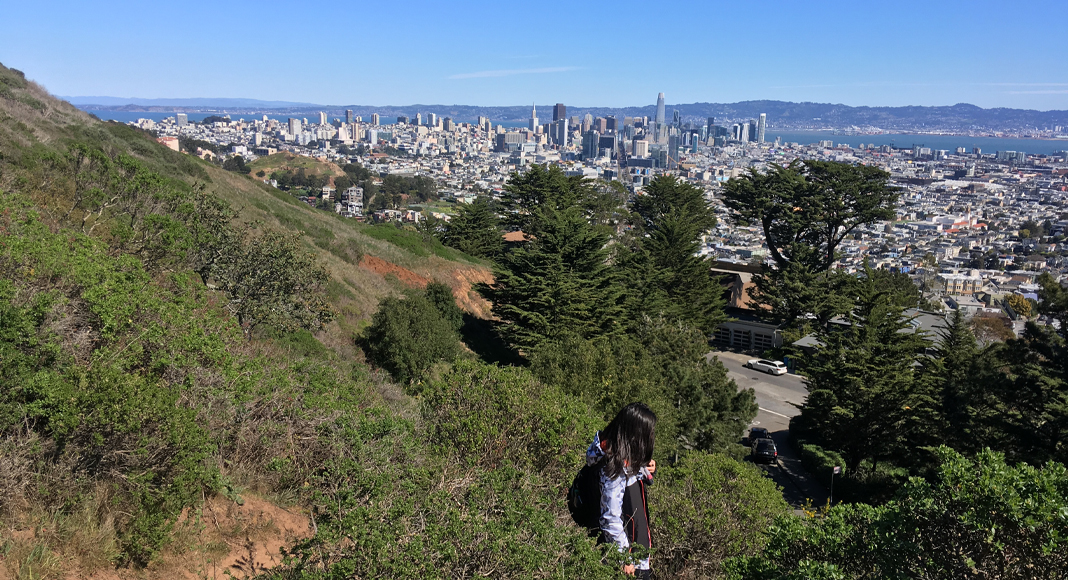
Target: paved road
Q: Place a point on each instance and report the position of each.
(776, 396)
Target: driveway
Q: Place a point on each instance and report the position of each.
(776, 397)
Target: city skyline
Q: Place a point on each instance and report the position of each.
(870, 55)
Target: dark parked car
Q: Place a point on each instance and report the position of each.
(758, 433)
(764, 450)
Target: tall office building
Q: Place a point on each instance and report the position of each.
(533, 125)
(348, 116)
(181, 119)
(762, 124)
(294, 126)
(752, 130)
(611, 124)
(418, 118)
(432, 120)
(560, 133)
(375, 119)
(640, 148)
(322, 117)
(711, 124)
(674, 143)
(740, 132)
(559, 112)
(660, 109)
(447, 124)
(591, 141)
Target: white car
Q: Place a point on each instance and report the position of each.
(772, 367)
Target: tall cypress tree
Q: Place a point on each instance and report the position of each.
(955, 368)
(868, 397)
(559, 279)
(474, 230)
(1027, 399)
(664, 273)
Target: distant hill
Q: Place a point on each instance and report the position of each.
(196, 102)
(961, 117)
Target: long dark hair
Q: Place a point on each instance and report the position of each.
(629, 440)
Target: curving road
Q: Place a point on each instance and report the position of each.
(777, 397)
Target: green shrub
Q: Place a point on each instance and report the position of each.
(407, 336)
(476, 491)
(820, 462)
(974, 518)
(706, 509)
(93, 353)
(441, 297)
(488, 416)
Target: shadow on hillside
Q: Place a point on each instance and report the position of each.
(480, 336)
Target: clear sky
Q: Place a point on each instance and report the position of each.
(501, 52)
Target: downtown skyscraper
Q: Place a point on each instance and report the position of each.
(559, 112)
(659, 129)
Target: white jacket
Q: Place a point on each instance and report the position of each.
(612, 490)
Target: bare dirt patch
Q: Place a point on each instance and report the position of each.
(463, 282)
(382, 268)
(222, 540)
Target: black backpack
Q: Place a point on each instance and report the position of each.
(584, 498)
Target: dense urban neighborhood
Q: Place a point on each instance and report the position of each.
(972, 228)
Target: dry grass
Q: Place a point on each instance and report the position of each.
(220, 539)
(51, 544)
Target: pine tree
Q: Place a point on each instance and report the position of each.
(868, 397)
(474, 230)
(559, 280)
(955, 368)
(664, 272)
(1028, 397)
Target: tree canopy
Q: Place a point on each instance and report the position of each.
(559, 280)
(868, 399)
(806, 209)
(474, 230)
(663, 272)
(981, 518)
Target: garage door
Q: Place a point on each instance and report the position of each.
(722, 336)
(762, 342)
(743, 339)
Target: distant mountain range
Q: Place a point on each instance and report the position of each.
(109, 102)
(960, 118)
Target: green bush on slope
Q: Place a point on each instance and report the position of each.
(975, 518)
(93, 354)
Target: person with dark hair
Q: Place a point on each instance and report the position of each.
(624, 450)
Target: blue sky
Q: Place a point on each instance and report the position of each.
(619, 53)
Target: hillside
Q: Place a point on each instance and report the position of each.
(203, 377)
(158, 370)
(284, 160)
(356, 286)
